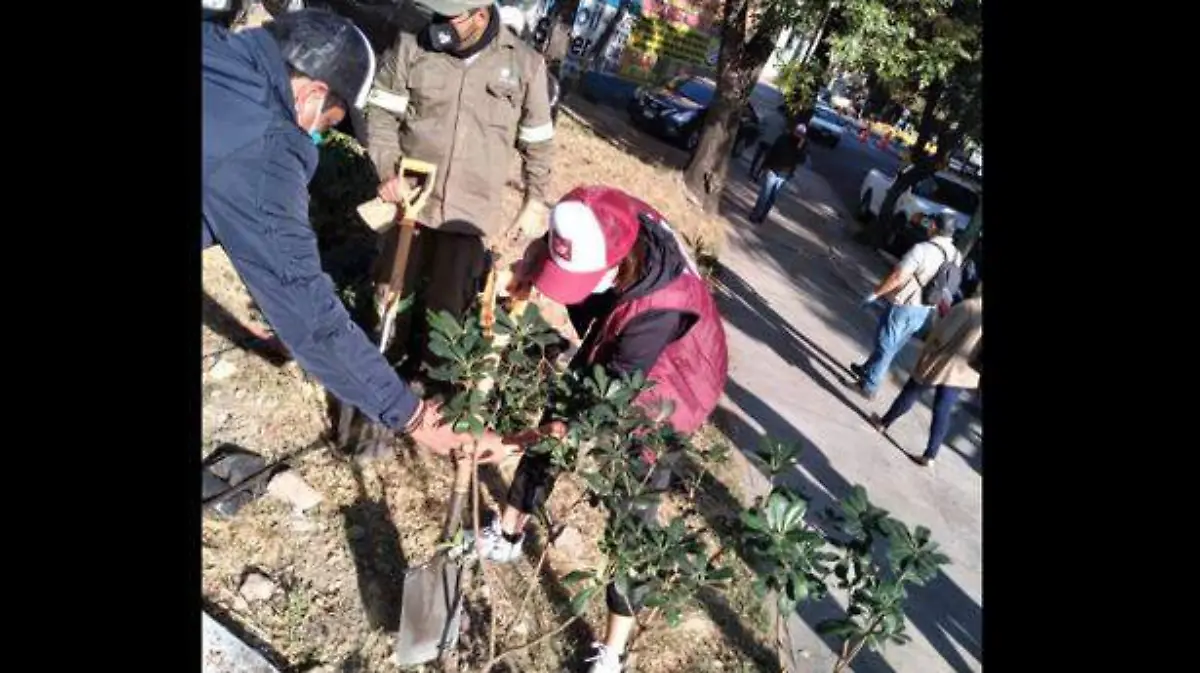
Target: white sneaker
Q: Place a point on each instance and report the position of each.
(492, 545)
(606, 660)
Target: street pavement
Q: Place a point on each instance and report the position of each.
(790, 291)
(844, 166)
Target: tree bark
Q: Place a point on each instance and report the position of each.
(877, 95)
(811, 47)
(928, 127)
(738, 65)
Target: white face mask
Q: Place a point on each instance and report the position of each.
(607, 281)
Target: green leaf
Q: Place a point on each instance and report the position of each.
(753, 521)
(442, 373)
(674, 616)
(476, 426)
(921, 535)
(576, 576)
(839, 628)
(721, 574)
(504, 323)
(799, 588)
(601, 378)
(462, 425)
(580, 600)
(596, 482)
(794, 514)
(655, 600)
(440, 348)
(777, 506)
(621, 583)
(406, 303)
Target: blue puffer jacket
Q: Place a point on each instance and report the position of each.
(257, 165)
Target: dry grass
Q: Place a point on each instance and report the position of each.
(338, 567)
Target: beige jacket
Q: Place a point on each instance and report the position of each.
(949, 347)
(467, 118)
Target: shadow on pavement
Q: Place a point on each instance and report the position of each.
(941, 611)
(742, 306)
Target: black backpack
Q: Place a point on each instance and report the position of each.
(945, 282)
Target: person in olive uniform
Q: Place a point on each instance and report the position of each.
(463, 94)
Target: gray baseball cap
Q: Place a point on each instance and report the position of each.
(453, 7)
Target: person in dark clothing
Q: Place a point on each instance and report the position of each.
(779, 165)
(269, 94)
(634, 292)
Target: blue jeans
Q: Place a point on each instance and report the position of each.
(771, 184)
(943, 407)
(896, 327)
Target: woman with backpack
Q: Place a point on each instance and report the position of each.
(950, 364)
(631, 287)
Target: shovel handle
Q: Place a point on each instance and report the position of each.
(400, 262)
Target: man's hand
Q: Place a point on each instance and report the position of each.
(394, 190)
(534, 219)
(434, 433)
(492, 448)
(525, 270)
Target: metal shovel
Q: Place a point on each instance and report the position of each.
(432, 599)
(432, 603)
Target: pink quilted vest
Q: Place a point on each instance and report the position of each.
(691, 371)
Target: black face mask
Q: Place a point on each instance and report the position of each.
(442, 36)
(439, 35)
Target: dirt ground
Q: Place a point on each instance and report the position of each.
(334, 573)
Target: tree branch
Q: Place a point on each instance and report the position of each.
(520, 648)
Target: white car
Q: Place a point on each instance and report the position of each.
(826, 126)
(944, 192)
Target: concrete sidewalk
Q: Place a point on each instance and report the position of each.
(790, 293)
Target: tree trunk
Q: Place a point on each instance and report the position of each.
(933, 94)
(738, 65)
(811, 47)
(874, 233)
(877, 95)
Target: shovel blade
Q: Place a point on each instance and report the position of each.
(429, 612)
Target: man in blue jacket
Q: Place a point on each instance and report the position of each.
(269, 94)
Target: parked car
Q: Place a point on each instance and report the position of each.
(676, 110)
(826, 126)
(909, 221)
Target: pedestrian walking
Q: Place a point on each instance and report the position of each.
(778, 166)
(926, 277)
(268, 97)
(950, 364)
(620, 269)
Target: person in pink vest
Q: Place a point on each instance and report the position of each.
(630, 286)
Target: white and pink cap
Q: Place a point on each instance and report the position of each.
(591, 230)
